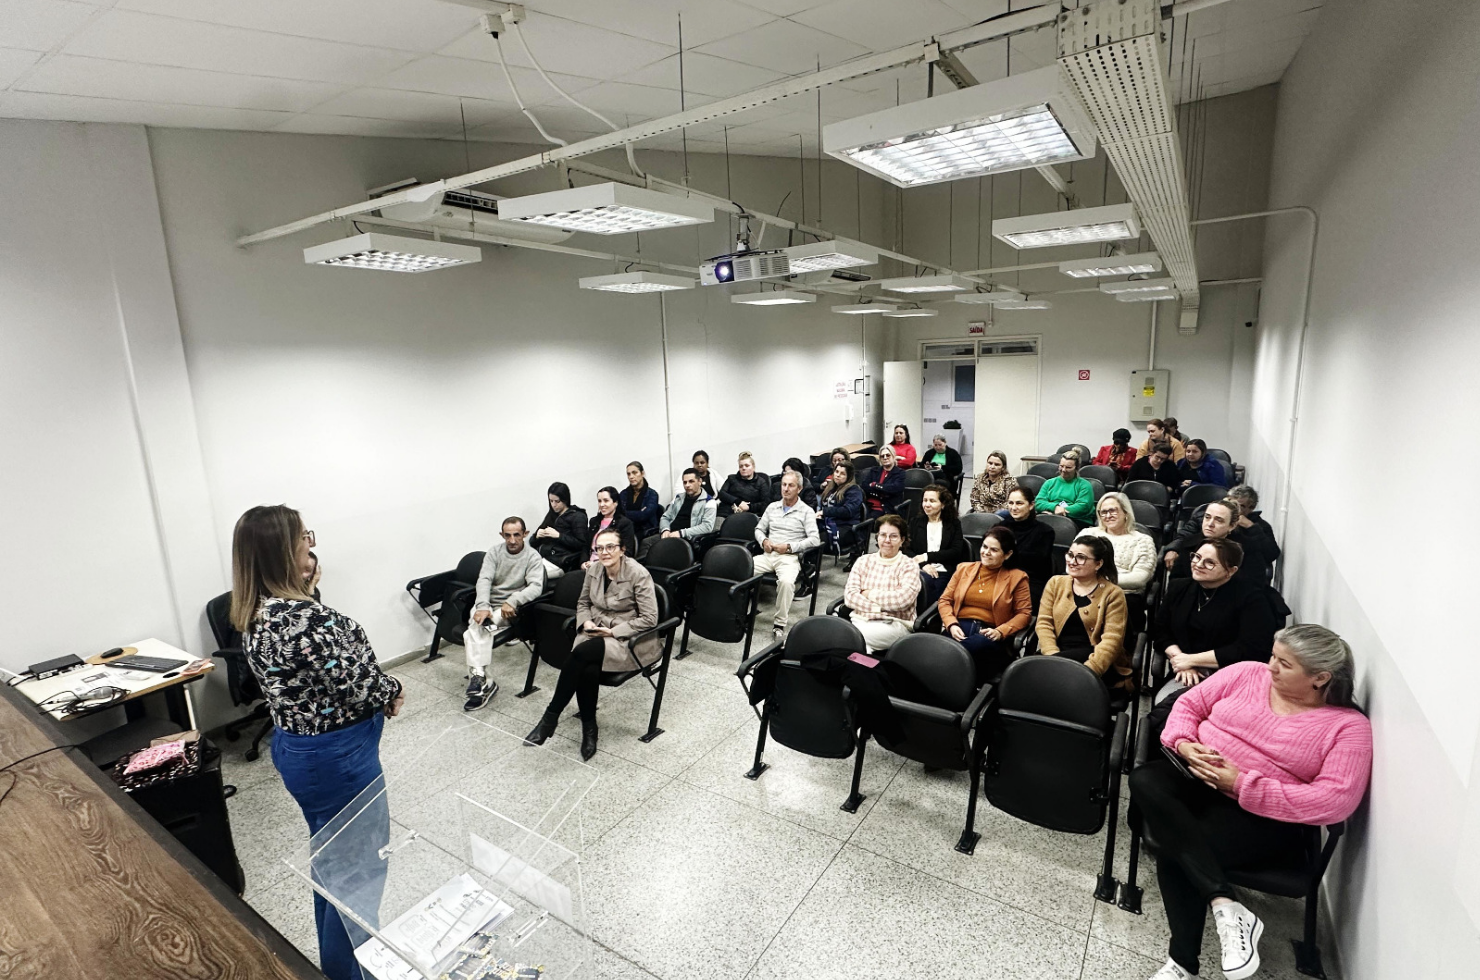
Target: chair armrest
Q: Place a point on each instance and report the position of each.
(684, 573)
(568, 623)
(1117, 741)
(834, 606)
(977, 708)
(756, 659)
(926, 712)
(658, 630)
(1336, 829)
(747, 584)
(927, 620)
(1138, 656)
(1143, 745)
(428, 581)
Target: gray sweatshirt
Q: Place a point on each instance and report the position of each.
(515, 579)
(796, 527)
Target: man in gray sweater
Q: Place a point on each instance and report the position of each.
(513, 575)
(787, 528)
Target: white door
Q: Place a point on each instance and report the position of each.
(903, 385)
(1007, 402)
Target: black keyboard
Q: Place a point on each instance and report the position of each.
(158, 665)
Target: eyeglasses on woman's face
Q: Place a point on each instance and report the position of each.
(1077, 559)
(606, 549)
(309, 537)
(1198, 561)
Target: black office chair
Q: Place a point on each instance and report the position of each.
(915, 482)
(1105, 474)
(241, 683)
(452, 593)
(1154, 531)
(940, 730)
(1085, 455)
(1098, 487)
(1147, 513)
(1301, 879)
(739, 529)
(550, 638)
(1065, 529)
(1229, 472)
(809, 580)
(1197, 495)
(726, 593)
(974, 528)
(1047, 470)
(806, 709)
(670, 561)
(1054, 752)
(863, 462)
(1030, 481)
(1153, 493)
(1223, 455)
(655, 673)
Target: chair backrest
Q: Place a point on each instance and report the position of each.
(1145, 512)
(1065, 530)
(1153, 531)
(1046, 470)
(978, 524)
(1056, 563)
(943, 671)
(241, 683)
(739, 527)
(716, 614)
(469, 568)
(940, 666)
(1098, 487)
(669, 555)
(864, 462)
(1031, 481)
(552, 640)
(218, 617)
(1048, 745)
(1155, 494)
(1198, 494)
(1221, 454)
(915, 478)
(1228, 477)
(806, 712)
(731, 562)
(1085, 454)
(1105, 474)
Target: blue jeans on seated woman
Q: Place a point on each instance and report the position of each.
(990, 656)
(324, 774)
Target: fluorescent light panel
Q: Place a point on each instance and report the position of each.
(995, 298)
(636, 282)
(606, 209)
(912, 313)
(1024, 120)
(391, 253)
(859, 309)
(1138, 286)
(928, 284)
(836, 254)
(1026, 304)
(1112, 223)
(778, 298)
(1112, 265)
(1147, 297)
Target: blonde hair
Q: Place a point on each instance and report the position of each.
(744, 456)
(263, 561)
(1126, 509)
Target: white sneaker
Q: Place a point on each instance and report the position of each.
(1171, 970)
(1238, 931)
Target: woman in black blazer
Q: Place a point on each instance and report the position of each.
(609, 514)
(935, 541)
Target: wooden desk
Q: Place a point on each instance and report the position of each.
(171, 683)
(94, 889)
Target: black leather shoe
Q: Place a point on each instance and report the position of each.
(588, 738)
(542, 731)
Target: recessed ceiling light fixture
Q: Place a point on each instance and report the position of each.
(859, 309)
(1021, 121)
(606, 209)
(1112, 265)
(391, 253)
(911, 313)
(1148, 296)
(928, 284)
(780, 297)
(1026, 304)
(637, 282)
(995, 298)
(1131, 286)
(1112, 223)
(836, 254)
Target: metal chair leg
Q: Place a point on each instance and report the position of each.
(683, 648)
(969, 836)
(760, 743)
(855, 798)
(534, 665)
(1130, 892)
(1106, 886)
(653, 730)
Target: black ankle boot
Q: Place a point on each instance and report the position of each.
(588, 737)
(543, 730)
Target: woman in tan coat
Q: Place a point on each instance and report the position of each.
(1082, 614)
(985, 603)
(617, 602)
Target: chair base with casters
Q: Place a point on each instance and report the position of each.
(233, 730)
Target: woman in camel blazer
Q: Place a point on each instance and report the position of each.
(1082, 615)
(985, 603)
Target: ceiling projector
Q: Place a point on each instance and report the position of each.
(744, 267)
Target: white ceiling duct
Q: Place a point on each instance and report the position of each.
(1111, 50)
(464, 210)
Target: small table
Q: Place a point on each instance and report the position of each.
(96, 672)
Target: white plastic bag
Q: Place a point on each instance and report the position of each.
(478, 641)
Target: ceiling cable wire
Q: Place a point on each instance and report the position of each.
(504, 64)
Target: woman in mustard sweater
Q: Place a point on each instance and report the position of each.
(1082, 614)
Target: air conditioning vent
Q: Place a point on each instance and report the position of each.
(472, 200)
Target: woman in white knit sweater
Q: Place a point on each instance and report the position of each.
(1135, 554)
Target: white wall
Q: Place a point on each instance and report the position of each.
(1377, 130)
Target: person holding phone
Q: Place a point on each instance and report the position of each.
(618, 601)
(1267, 749)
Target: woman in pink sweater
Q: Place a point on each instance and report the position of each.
(1265, 749)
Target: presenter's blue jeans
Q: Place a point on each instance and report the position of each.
(324, 774)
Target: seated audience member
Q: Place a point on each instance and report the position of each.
(1273, 748)
(1211, 620)
(787, 528)
(1220, 520)
(1197, 467)
(561, 537)
(900, 444)
(640, 502)
(943, 459)
(609, 515)
(885, 487)
(1082, 614)
(1156, 431)
(1068, 493)
(691, 514)
(883, 587)
(1250, 529)
(841, 500)
(700, 463)
(824, 471)
(985, 603)
(809, 492)
(1119, 455)
(618, 601)
(1035, 539)
(1173, 430)
(989, 490)
(935, 541)
(512, 576)
(1157, 467)
(1135, 554)
(745, 492)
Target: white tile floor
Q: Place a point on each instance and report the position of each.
(693, 871)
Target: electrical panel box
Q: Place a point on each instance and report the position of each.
(1149, 395)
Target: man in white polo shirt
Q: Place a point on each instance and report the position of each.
(787, 529)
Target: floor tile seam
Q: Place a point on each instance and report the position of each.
(758, 809)
(718, 742)
(1084, 953)
(624, 958)
(793, 911)
(588, 845)
(892, 777)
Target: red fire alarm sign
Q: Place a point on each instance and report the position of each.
(1084, 375)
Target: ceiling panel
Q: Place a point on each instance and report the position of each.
(657, 20)
(479, 79)
(71, 75)
(127, 36)
(704, 74)
(410, 25)
(313, 122)
(784, 8)
(13, 64)
(38, 105)
(384, 103)
(40, 25)
(879, 25)
(785, 46)
(565, 46)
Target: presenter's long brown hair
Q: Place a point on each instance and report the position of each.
(263, 561)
